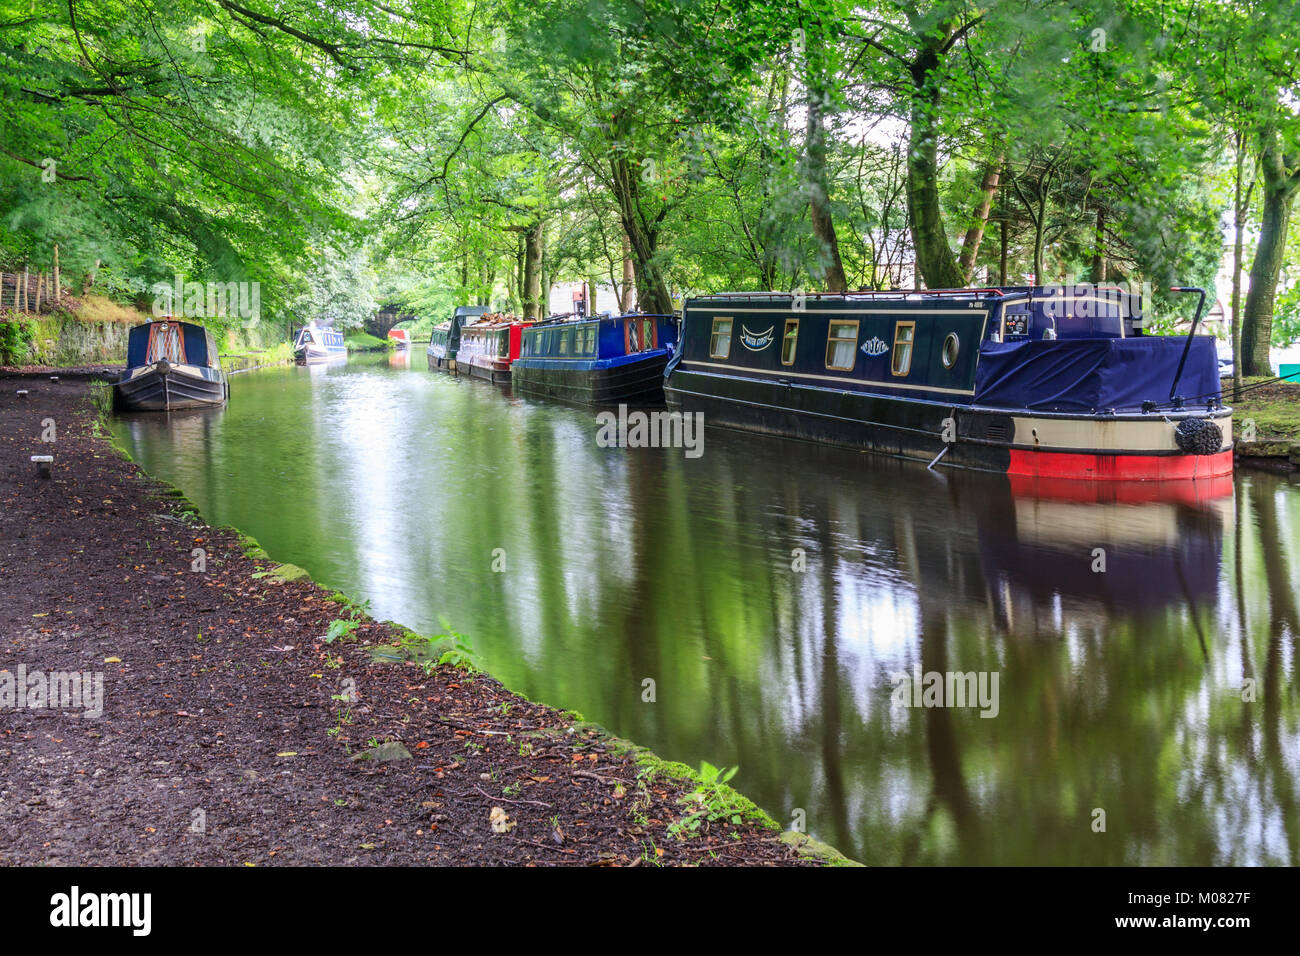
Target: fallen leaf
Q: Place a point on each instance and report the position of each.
(500, 822)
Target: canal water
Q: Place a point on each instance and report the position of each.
(1136, 648)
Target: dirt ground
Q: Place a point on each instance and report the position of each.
(229, 725)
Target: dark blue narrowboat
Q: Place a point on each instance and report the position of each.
(602, 360)
(444, 341)
(1045, 382)
(170, 365)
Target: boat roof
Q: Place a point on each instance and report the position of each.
(571, 319)
(496, 320)
(995, 293)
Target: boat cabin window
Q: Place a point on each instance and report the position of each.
(904, 336)
(563, 336)
(951, 346)
(503, 343)
(589, 340)
(648, 334)
(842, 345)
(789, 340)
(720, 341)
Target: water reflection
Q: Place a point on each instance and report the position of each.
(772, 590)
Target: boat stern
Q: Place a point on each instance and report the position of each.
(1135, 447)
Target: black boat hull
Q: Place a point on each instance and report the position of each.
(1021, 443)
(159, 391)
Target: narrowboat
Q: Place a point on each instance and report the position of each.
(444, 341)
(170, 365)
(489, 345)
(605, 360)
(1046, 382)
(311, 343)
(400, 336)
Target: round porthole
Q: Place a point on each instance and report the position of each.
(951, 345)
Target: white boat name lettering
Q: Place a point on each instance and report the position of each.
(756, 341)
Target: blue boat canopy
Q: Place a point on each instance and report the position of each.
(1093, 375)
(180, 343)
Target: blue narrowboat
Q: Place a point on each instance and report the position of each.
(170, 365)
(444, 341)
(311, 343)
(1043, 382)
(602, 360)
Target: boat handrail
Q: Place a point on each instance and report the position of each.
(1001, 295)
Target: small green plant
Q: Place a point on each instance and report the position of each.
(460, 654)
(345, 627)
(710, 801)
(340, 627)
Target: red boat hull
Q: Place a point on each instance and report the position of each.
(1102, 467)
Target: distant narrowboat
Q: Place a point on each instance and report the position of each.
(170, 365)
(1036, 382)
(315, 344)
(597, 361)
(444, 341)
(489, 345)
(401, 336)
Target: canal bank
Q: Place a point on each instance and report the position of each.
(245, 720)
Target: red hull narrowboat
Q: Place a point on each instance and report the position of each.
(490, 345)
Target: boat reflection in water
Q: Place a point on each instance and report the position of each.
(1103, 548)
(1089, 612)
(319, 366)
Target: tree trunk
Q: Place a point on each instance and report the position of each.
(970, 245)
(1240, 209)
(1040, 240)
(532, 269)
(626, 296)
(1002, 245)
(935, 264)
(652, 290)
(1278, 192)
(1098, 272)
(818, 187)
(543, 281)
